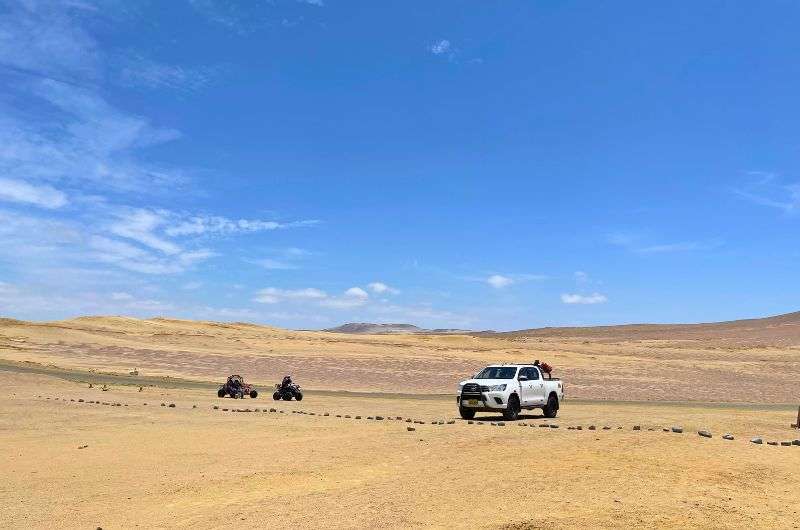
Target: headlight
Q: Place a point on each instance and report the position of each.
(496, 388)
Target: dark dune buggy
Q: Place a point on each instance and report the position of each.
(235, 387)
(287, 391)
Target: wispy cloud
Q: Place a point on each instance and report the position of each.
(197, 225)
(685, 246)
(499, 281)
(97, 145)
(382, 288)
(441, 47)
(226, 14)
(638, 244)
(21, 192)
(766, 190)
(42, 39)
(137, 70)
(140, 225)
(594, 298)
(282, 258)
(446, 49)
(273, 295)
(273, 264)
(352, 297)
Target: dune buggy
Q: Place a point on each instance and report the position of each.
(287, 392)
(236, 388)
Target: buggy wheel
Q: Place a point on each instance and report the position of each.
(299, 396)
(276, 396)
(287, 397)
(253, 394)
(221, 393)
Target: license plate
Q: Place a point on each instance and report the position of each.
(472, 402)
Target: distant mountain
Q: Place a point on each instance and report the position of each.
(370, 328)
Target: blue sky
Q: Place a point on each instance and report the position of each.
(484, 165)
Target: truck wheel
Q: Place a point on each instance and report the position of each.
(512, 411)
(551, 410)
(276, 396)
(299, 396)
(465, 413)
(253, 394)
(221, 393)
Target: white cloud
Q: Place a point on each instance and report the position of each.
(440, 47)
(191, 286)
(272, 295)
(595, 298)
(581, 277)
(352, 297)
(498, 282)
(357, 292)
(318, 3)
(296, 252)
(198, 225)
(274, 264)
(137, 259)
(381, 288)
(22, 192)
(139, 225)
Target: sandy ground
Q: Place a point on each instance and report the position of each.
(158, 467)
(594, 367)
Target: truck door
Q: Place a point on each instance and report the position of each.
(526, 392)
(536, 391)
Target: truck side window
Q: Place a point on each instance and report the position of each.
(523, 372)
(533, 374)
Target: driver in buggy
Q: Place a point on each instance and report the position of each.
(287, 381)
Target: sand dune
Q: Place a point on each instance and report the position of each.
(780, 330)
(715, 362)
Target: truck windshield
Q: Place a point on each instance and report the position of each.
(497, 372)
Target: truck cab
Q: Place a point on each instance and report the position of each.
(509, 389)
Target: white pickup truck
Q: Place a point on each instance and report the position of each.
(509, 388)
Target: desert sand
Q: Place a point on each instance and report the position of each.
(708, 365)
(80, 457)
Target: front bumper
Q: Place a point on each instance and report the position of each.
(484, 401)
